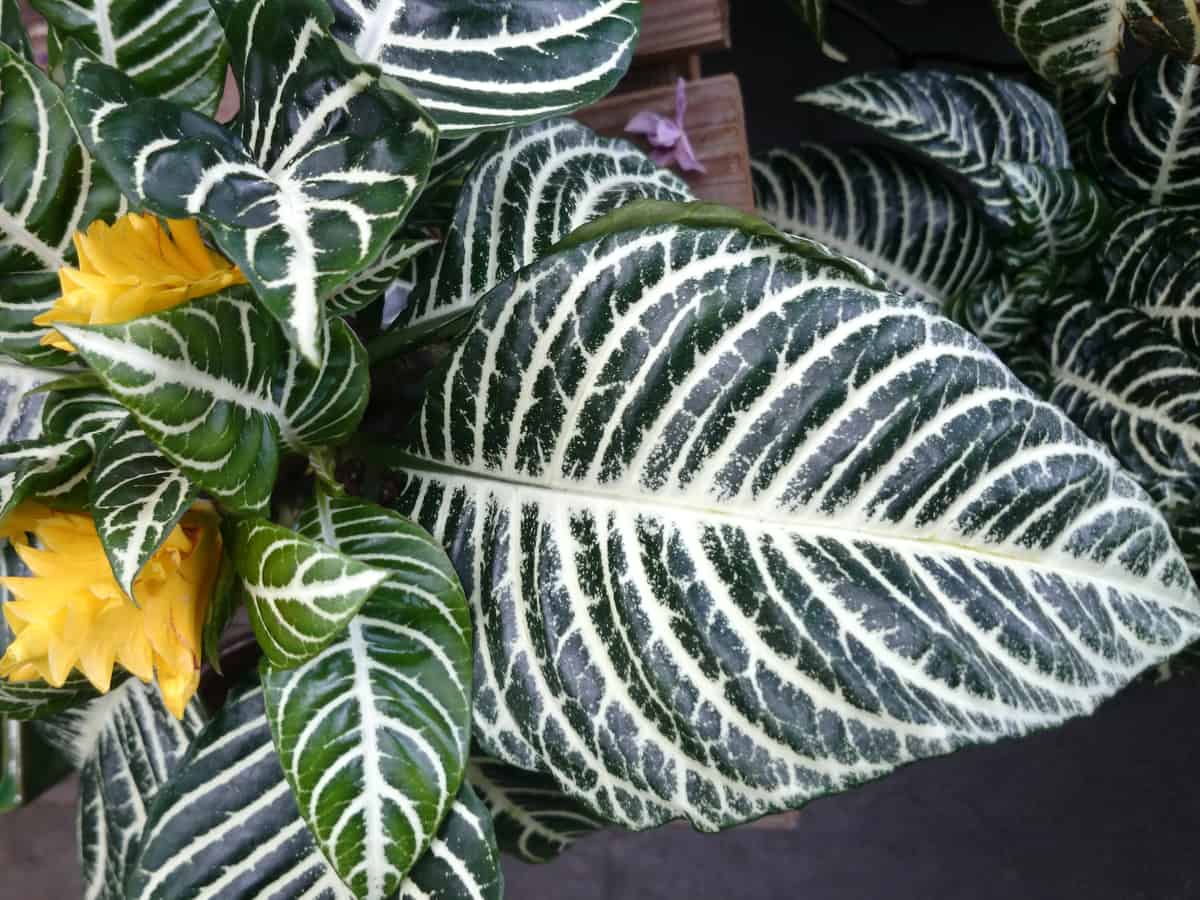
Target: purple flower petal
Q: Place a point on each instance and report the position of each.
(680, 102)
(667, 138)
(686, 157)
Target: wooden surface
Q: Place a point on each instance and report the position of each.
(671, 27)
(715, 123)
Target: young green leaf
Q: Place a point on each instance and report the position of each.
(326, 160)
(477, 66)
(901, 218)
(137, 498)
(49, 188)
(739, 532)
(300, 593)
(173, 49)
(967, 123)
(29, 468)
(220, 408)
(373, 732)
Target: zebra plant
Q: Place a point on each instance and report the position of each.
(693, 514)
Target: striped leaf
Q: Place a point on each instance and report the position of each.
(83, 413)
(967, 123)
(137, 498)
(324, 164)
(219, 408)
(434, 208)
(300, 593)
(20, 410)
(545, 181)
(1059, 214)
(374, 731)
(1127, 384)
(125, 746)
(371, 283)
(1152, 262)
(38, 467)
(173, 49)
(49, 188)
(1146, 147)
(1001, 312)
(902, 219)
(739, 532)
(815, 14)
(1077, 42)
(226, 826)
(534, 820)
(479, 66)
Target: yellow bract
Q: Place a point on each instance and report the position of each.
(71, 614)
(132, 268)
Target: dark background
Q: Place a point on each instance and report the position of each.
(1105, 808)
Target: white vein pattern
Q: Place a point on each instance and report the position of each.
(327, 160)
(1126, 383)
(1000, 312)
(901, 219)
(964, 122)
(125, 746)
(228, 828)
(20, 411)
(534, 820)
(738, 532)
(371, 283)
(50, 189)
(374, 731)
(38, 466)
(1059, 214)
(1079, 42)
(1148, 149)
(477, 66)
(1152, 262)
(300, 593)
(544, 182)
(219, 407)
(174, 48)
(81, 413)
(137, 498)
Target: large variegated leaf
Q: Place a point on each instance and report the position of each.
(479, 66)
(739, 532)
(20, 410)
(902, 219)
(1059, 214)
(1126, 383)
(216, 387)
(1146, 147)
(300, 593)
(544, 182)
(125, 746)
(174, 49)
(327, 159)
(137, 497)
(374, 731)
(968, 123)
(534, 820)
(226, 826)
(49, 188)
(1152, 262)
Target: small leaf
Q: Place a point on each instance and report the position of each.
(137, 498)
(901, 218)
(369, 284)
(81, 413)
(325, 163)
(1144, 148)
(220, 408)
(478, 66)
(227, 597)
(29, 468)
(534, 820)
(300, 593)
(373, 733)
(1059, 214)
(12, 29)
(1001, 312)
(174, 49)
(126, 745)
(966, 123)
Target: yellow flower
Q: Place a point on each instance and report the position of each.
(132, 268)
(71, 614)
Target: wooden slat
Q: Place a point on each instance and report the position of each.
(672, 27)
(715, 123)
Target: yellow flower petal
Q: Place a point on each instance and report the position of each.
(133, 268)
(70, 614)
